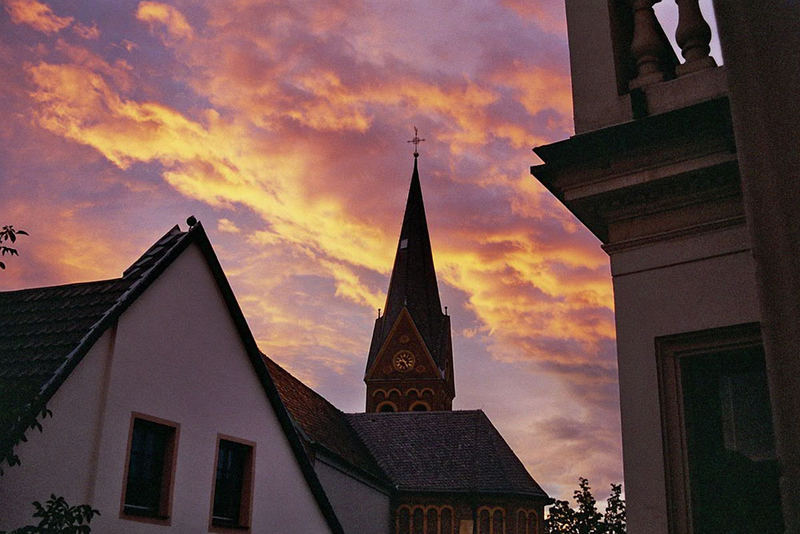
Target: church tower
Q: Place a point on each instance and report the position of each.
(410, 363)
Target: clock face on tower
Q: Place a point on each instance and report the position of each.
(403, 360)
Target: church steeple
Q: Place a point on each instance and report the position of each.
(410, 363)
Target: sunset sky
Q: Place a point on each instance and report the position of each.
(283, 127)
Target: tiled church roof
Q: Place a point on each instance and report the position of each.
(452, 451)
(449, 452)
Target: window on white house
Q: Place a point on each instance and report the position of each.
(232, 484)
(149, 468)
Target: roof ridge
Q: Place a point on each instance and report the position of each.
(300, 382)
(152, 254)
(60, 286)
(122, 301)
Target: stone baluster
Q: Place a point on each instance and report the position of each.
(693, 35)
(647, 47)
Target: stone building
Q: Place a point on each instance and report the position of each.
(687, 172)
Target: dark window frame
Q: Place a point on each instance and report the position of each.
(167, 482)
(244, 520)
(671, 352)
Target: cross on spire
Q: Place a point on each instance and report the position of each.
(416, 142)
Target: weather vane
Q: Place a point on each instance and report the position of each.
(416, 142)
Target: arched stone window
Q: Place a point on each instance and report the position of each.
(387, 406)
(491, 520)
(419, 519)
(527, 522)
(420, 407)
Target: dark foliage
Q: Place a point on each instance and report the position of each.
(56, 516)
(9, 235)
(585, 519)
(18, 417)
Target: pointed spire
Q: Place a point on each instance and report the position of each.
(413, 283)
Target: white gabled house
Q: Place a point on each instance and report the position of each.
(163, 412)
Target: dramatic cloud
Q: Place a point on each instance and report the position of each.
(173, 20)
(37, 15)
(283, 127)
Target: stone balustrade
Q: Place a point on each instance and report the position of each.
(649, 47)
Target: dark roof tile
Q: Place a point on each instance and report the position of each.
(458, 451)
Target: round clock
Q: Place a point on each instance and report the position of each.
(403, 361)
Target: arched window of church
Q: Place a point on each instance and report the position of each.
(491, 520)
(432, 523)
(420, 407)
(527, 522)
(403, 521)
(484, 522)
(498, 522)
(447, 521)
(533, 523)
(418, 521)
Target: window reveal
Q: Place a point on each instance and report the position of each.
(149, 469)
(232, 485)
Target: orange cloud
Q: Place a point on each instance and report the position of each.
(36, 15)
(548, 14)
(173, 20)
(87, 32)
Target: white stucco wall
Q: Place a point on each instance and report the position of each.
(678, 286)
(59, 459)
(178, 357)
(360, 507)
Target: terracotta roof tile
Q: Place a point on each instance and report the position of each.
(322, 424)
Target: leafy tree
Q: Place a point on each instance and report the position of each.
(18, 417)
(9, 234)
(614, 518)
(58, 517)
(561, 518)
(585, 519)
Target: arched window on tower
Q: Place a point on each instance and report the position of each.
(420, 407)
(387, 406)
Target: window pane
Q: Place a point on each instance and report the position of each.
(419, 521)
(231, 462)
(403, 522)
(433, 521)
(447, 521)
(532, 526)
(143, 491)
(733, 471)
(498, 525)
(483, 522)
